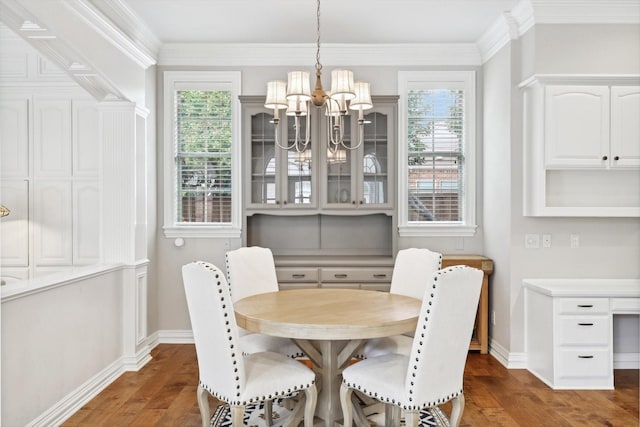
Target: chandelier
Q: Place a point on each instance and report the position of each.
(295, 97)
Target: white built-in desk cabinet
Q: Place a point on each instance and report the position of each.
(374, 273)
(569, 328)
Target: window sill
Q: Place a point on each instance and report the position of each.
(203, 231)
(437, 230)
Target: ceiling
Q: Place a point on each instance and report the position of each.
(294, 21)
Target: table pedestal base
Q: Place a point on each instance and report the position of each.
(329, 358)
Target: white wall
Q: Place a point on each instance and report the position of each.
(57, 340)
(171, 308)
(609, 247)
(498, 189)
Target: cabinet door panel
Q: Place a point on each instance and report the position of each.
(262, 161)
(625, 126)
(14, 229)
(52, 137)
(86, 224)
(14, 138)
(576, 126)
(86, 138)
(53, 223)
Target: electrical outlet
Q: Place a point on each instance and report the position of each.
(531, 241)
(546, 240)
(575, 240)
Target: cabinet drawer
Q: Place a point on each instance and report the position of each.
(583, 331)
(372, 274)
(625, 305)
(584, 363)
(583, 305)
(293, 274)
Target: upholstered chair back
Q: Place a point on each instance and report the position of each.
(251, 271)
(214, 330)
(412, 270)
(441, 341)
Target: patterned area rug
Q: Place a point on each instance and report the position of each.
(254, 417)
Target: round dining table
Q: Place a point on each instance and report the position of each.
(329, 325)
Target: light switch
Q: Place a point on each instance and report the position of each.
(531, 241)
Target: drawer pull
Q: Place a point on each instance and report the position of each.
(379, 276)
(298, 276)
(585, 305)
(340, 276)
(585, 324)
(585, 357)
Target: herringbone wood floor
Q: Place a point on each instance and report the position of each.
(163, 393)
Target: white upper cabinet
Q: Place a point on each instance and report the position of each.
(625, 126)
(576, 126)
(581, 146)
(594, 126)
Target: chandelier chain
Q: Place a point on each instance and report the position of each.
(318, 65)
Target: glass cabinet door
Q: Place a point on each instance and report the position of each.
(263, 156)
(374, 162)
(340, 169)
(298, 173)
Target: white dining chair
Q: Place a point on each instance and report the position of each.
(412, 270)
(432, 373)
(225, 372)
(251, 271)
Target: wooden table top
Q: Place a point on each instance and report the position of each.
(328, 314)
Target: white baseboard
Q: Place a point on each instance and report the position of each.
(173, 337)
(626, 360)
(71, 403)
(510, 360)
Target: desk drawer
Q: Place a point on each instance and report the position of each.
(583, 331)
(369, 274)
(625, 305)
(299, 275)
(584, 363)
(583, 306)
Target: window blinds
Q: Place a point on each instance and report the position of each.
(435, 155)
(203, 135)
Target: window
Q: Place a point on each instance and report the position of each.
(202, 149)
(436, 153)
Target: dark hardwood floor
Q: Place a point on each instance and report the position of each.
(163, 393)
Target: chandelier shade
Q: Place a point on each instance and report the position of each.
(297, 98)
(298, 86)
(276, 95)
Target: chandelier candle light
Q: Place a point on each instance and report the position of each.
(296, 97)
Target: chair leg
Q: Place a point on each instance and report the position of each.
(456, 410)
(311, 397)
(411, 418)
(203, 403)
(345, 402)
(392, 415)
(268, 414)
(237, 416)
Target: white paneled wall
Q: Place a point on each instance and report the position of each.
(50, 169)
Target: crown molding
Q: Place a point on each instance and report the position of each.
(527, 13)
(257, 54)
(99, 23)
(56, 50)
(586, 11)
(503, 30)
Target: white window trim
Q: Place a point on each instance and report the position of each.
(201, 79)
(414, 79)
